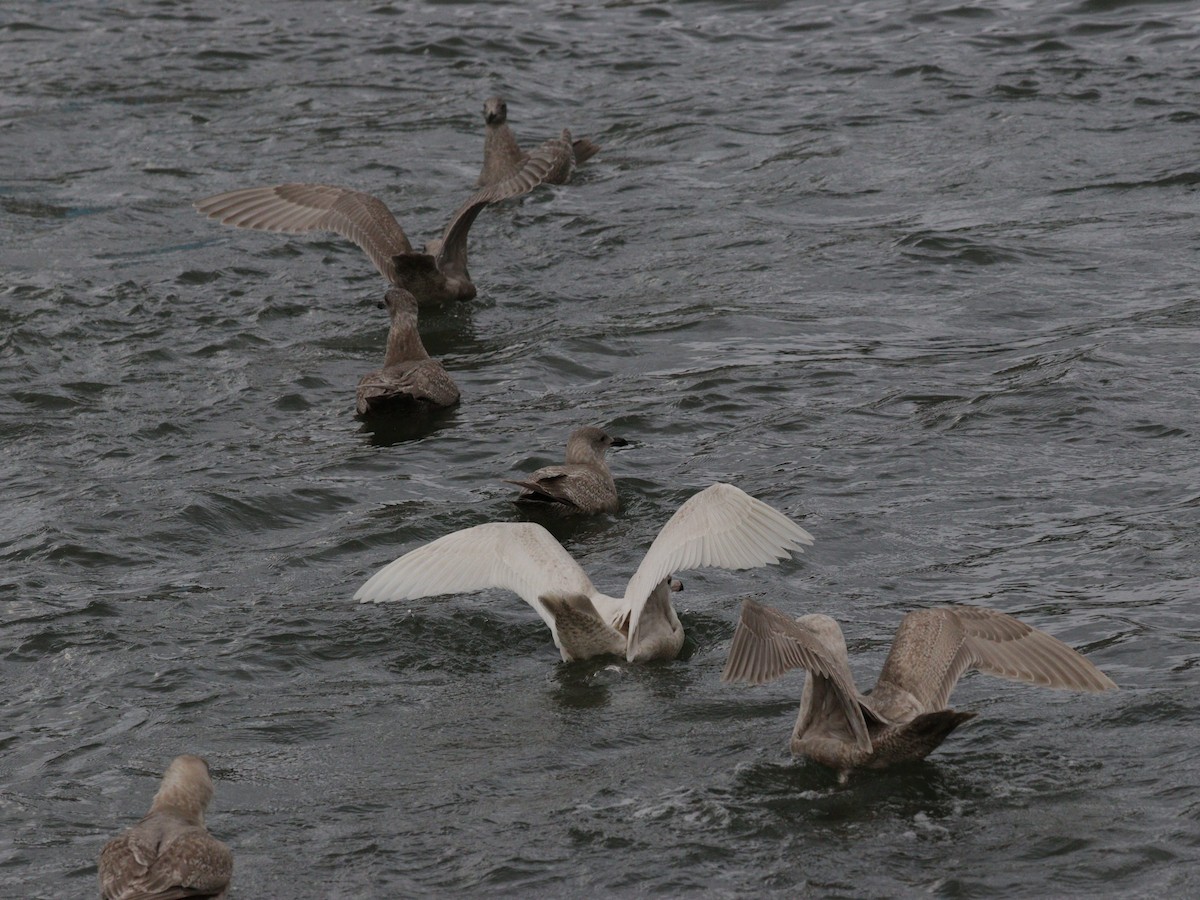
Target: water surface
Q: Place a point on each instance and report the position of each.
(921, 275)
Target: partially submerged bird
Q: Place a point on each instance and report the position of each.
(721, 527)
(436, 275)
(502, 155)
(583, 484)
(905, 716)
(169, 854)
(409, 378)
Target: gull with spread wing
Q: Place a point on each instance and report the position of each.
(905, 716)
(502, 155)
(721, 527)
(434, 276)
(169, 853)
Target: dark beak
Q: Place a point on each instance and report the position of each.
(620, 442)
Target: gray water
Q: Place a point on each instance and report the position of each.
(923, 276)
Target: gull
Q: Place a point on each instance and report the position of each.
(437, 275)
(502, 155)
(583, 484)
(169, 853)
(408, 377)
(905, 716)
(721, 527)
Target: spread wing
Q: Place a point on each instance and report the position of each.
(519, 556)
(543, 164)
(934, 647)
(721, 527)
(300, 208)
(767, 644)
(560, 157)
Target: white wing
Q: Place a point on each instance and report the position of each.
(721, 527)
(521, 557)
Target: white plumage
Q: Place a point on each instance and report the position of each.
(721, 527)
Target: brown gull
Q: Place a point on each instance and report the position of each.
(169, 854)
(721, 527)
(905, 716)
(436, 275)
(583, 484)
(502, 155)
(409, 378)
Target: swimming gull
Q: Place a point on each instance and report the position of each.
(169, 853)
(409, 378)
(721, 527)
(905, 716)
(436, 275)
(502, 155)
(583, 484)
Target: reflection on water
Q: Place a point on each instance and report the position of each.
(399, 426)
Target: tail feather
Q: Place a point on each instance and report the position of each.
(584, 150)
(581, 631)
(417, 273)
(925, 733)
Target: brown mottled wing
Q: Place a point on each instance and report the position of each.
(419, 380)
(767, 644)
(560, 155)
(124, 861)
(578, 486)
(193, 864)
(545, 162)
(300, 208)
(934, 647)
(546, 489)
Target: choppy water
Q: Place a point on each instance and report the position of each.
(922, 275)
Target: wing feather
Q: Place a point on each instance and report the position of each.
(187, 862)
(934, 647)
(518, 556)
(300, 208)
(767, 644)
(543, 163)
(721, 527)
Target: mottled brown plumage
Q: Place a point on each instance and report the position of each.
(169, 854)
(905, 717)
(409, 379)
(503, 156)
(583, 484)
(436, 275)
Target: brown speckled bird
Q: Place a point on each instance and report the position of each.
(583, 484)
(502, 155)
(409, 378)
(905, 716)
(169, 854)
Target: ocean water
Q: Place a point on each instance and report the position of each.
(921, 275)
